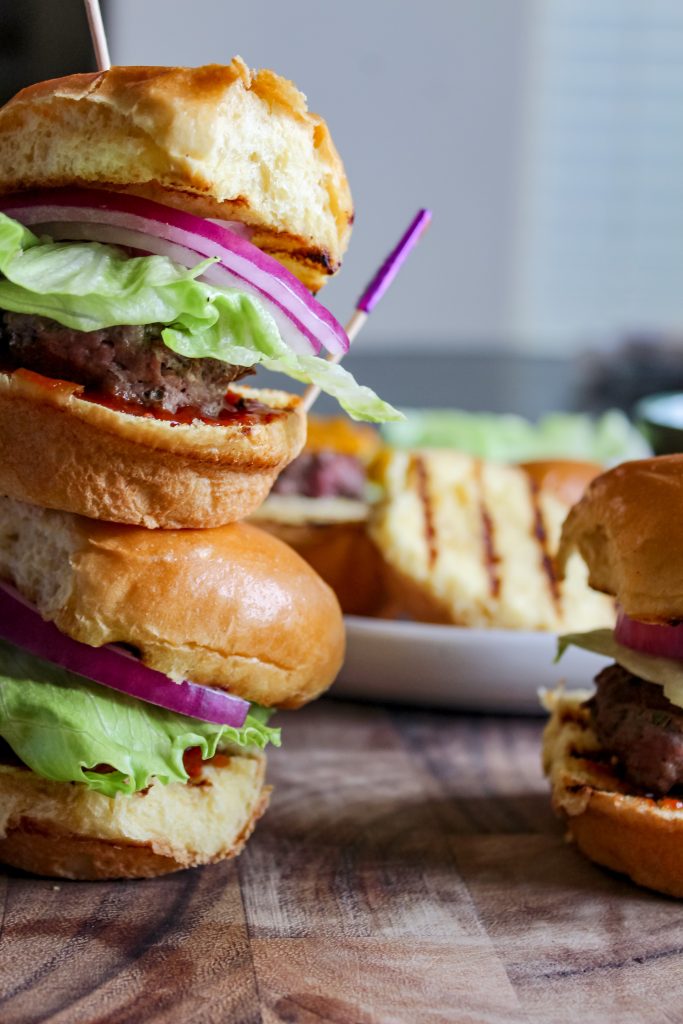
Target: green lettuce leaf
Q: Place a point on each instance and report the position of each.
(665, 672)
(62, 726)
(88, 286)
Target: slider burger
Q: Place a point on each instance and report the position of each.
(615, 758)
(320, 505)
(160, 229)
(138, 669)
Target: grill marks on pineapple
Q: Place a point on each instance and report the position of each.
(491, 557)
(418, 480)
(470, 542)
(418, 477)
(540, 533)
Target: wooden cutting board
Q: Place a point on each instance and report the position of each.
(409, 871)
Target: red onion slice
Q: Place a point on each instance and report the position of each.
(305, 325)
(664, 641)
(21, 624)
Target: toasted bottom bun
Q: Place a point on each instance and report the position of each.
(65, 830)
(331, 535)
(634, 835)
(60, 451)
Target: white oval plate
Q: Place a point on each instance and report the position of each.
(491, 670)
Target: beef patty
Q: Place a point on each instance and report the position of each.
(634, 720)
(323, 475)
(130, 363)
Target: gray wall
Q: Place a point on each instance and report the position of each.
(423, 102)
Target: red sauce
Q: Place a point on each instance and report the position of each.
(246, 411)
(419, 469)
(671, 804)
(51, 384)
(491, 556)
(539, 532)
(194, 765)
(237, 410)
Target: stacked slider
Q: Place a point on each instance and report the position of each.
(151, 218)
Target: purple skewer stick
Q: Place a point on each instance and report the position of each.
(393, 263)
(376, 289)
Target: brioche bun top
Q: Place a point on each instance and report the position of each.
(629, 529)
(230, 607)
(218, 141)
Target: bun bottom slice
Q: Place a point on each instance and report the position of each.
(61, 451)
(635, 835)
(64, 830)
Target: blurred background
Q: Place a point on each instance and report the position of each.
(546, 136)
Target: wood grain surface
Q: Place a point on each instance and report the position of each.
(409, 871)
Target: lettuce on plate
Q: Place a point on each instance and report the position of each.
(606, 439)
(63, 726)
(88, 286)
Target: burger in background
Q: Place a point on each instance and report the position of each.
(321, 504)
(615, 757)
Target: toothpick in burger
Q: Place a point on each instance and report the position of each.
(160, 229)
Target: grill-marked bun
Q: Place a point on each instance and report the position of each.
(637, 836)
(471, 543)
(231, 607)
(629, 529)
(218, 141)
(67, 830)
(62, 452)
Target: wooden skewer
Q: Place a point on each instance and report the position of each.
(97, 33)
(375, 290)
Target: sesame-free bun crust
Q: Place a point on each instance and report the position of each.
(629, 833)
(230, 607)
(218, 141)
(60, 451)
(66, 830)
(628, 528)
